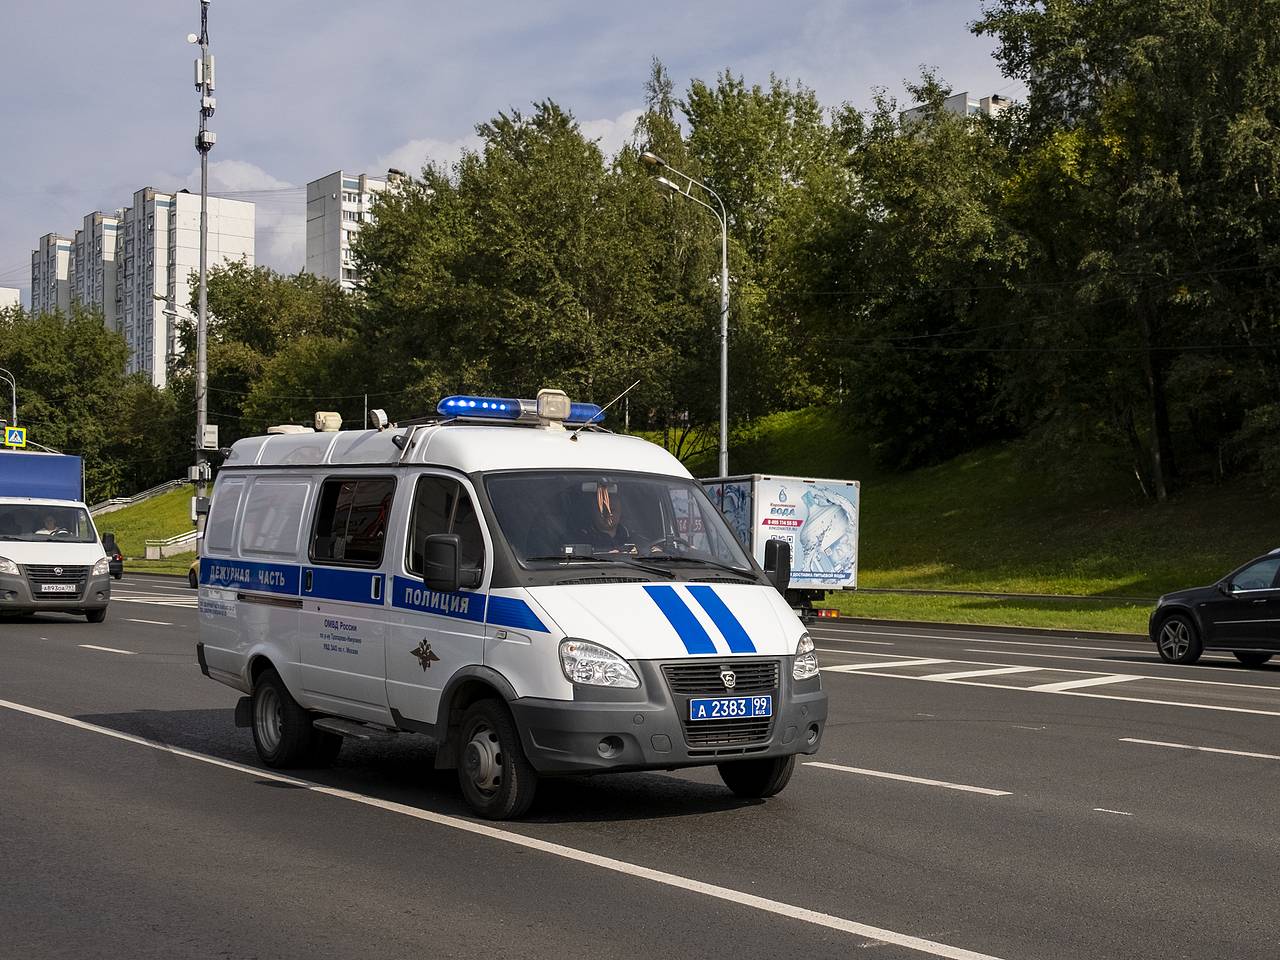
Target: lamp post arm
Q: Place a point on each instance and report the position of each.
(13, 387)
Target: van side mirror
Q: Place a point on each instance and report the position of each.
(777, 564)
(441, 562)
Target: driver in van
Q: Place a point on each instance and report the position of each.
(50, 525)
(604, 529)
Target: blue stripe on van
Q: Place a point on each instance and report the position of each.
(346, 586)
(694, 638)
(723, 618)
(513, 612)
(409, 594)
(280, 578)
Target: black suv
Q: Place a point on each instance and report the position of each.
(1240, 613)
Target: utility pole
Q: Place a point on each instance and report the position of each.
(205, 139)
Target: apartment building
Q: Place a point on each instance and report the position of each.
(94, 265)
(963, 105)
(10, 297)
(52, 265)
(337, 206)
(157, 251)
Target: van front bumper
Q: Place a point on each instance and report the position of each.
(648, 731)
(16, 596)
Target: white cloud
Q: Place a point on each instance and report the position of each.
(612, 135)
(411, 157)
(280, 210)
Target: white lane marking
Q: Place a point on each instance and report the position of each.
(1119, 813)
(1066, 685)
(1188, 746)
(963, 787)
(158, 602)
(1019, 726)
(776, 907)
(154, 623)
(1063, 646)
(1062, 656)
(986, 672)
(851, 667)
(960, 636)
(878, 643)
(1081, 693)
(92, 646)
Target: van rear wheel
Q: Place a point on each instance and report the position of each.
(282, 731)
(96, 616)
(496, 778)
(756, 779)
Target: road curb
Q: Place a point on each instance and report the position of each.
(994, 628)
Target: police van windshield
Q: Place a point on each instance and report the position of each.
(42, 523)
(548, 515)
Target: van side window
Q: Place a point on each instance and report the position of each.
(442, 505)
(351, 521)
(222, 516)
(273, 517)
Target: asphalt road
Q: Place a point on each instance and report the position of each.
(979, 794)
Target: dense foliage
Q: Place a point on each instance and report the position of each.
(1094, 267)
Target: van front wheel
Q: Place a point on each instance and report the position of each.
(756, 779)
(282, 730)
(496, 777)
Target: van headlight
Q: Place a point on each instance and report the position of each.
(805, 666)
(102, 567)
(9, 567)
(594, 665)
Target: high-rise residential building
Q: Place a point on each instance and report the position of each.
(10, 297)
(52, 265)
(337, 206)
(94, 267)
(157, 250)
(963, 105)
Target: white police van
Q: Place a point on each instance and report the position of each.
(537, 595)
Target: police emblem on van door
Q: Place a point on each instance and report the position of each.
(729, 678)
(426, 656)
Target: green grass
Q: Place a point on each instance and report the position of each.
(1091, 615)
(1012, 519)
(159, 518)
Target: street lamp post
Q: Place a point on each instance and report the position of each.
(205, 139)
(13, 387)
(655, 161)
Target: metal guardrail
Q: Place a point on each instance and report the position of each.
(117, 503)
(182, 543)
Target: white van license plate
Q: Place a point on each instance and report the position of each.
(730, 708)
(57, 588)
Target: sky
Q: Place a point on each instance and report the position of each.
(97, 99)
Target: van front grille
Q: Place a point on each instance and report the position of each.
(39, 574)
(703, 677)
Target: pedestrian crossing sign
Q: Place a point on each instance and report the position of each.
(15, 436)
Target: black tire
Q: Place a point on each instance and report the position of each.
(282, 730)
(756, 779)
(1178, 640)
(1252, 658)
(96, 616)
(496, 778)
(192, 580)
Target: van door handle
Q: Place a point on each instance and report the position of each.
(376, 590)
(306, 581)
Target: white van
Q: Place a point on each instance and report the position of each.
(51, 560)
(535, 594)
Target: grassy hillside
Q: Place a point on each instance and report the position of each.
(156, 519)
(1008, 518)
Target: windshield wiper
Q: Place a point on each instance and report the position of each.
(605, 558)
(671, 558)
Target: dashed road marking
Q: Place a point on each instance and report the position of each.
(154, 623)
(94, 646)
(881, 774)
(1118, 813)
(1065, 685)
(986, 672)
(1188, 746)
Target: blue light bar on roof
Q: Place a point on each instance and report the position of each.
(492, 408)
(585, 413)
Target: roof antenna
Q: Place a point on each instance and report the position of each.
(574, 435)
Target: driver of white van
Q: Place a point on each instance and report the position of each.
(603, 528)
